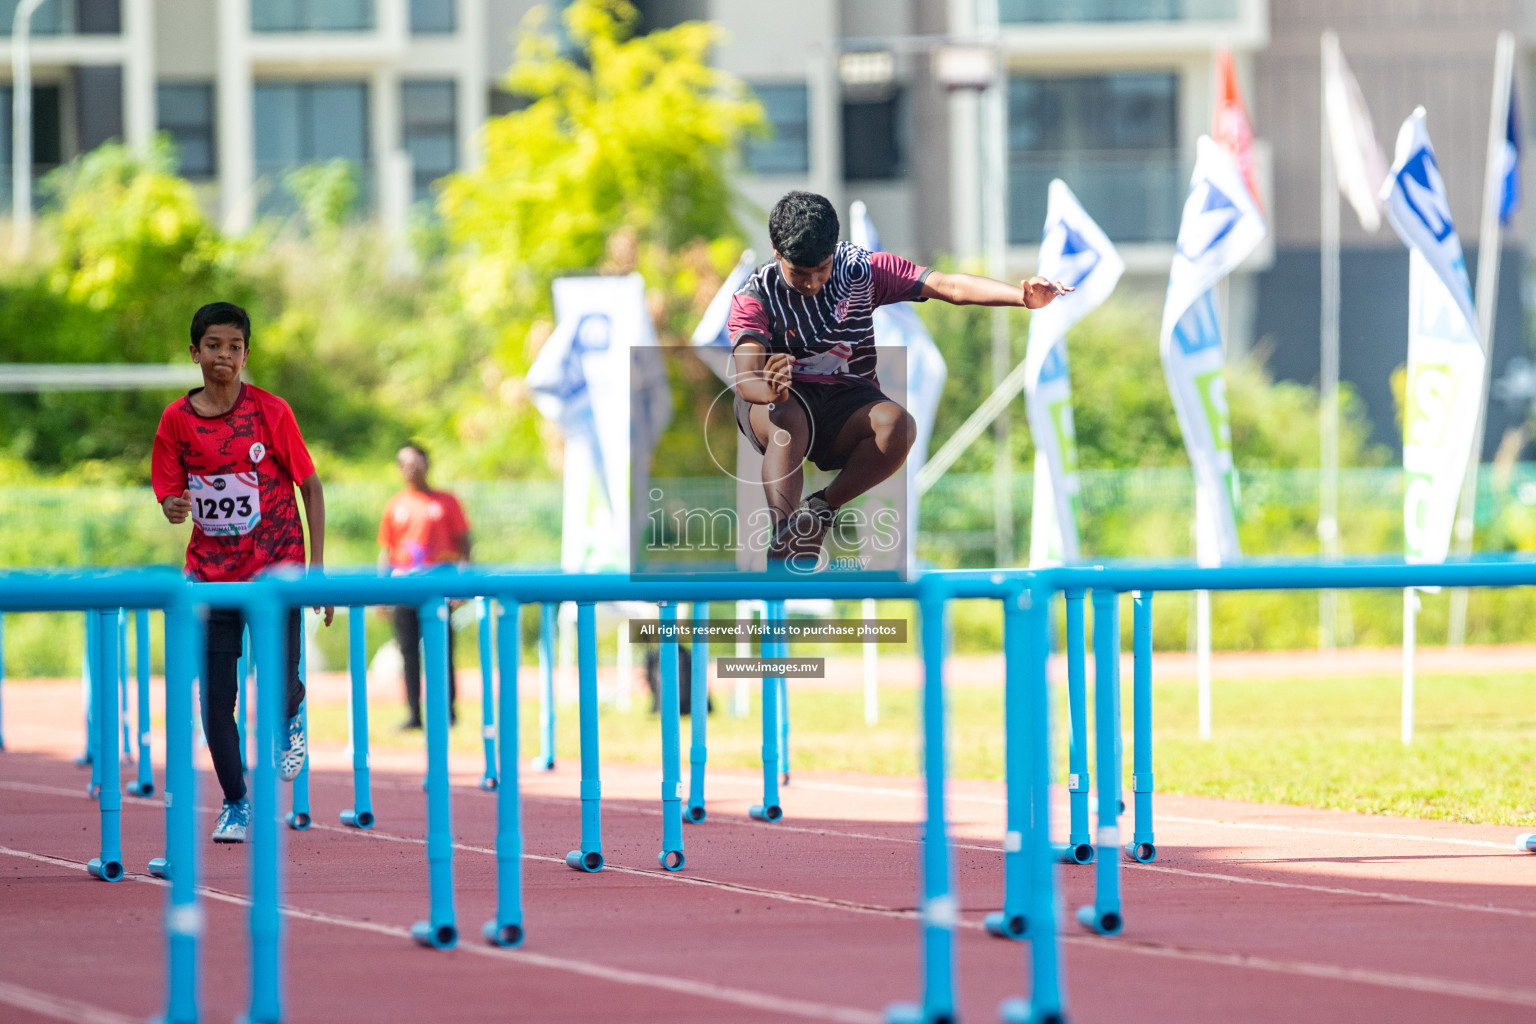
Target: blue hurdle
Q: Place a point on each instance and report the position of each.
(698, 702)
(589, 857)
(487, 692)
(769, 809)
(439, 931)
(506, 929)
(144, 785)
(298, 817)
(360, 814)
(545, 761)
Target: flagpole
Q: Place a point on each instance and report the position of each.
(1328, 406)
(1489, 250)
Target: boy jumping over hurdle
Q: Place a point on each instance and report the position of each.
(229, 454)
(802, 328)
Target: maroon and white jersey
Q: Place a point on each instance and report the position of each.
(830, 334)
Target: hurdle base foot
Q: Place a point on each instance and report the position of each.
(106, 870)
(489, 783)
(1019, 1011)
(541, 764)
(357, 819)
(1107, 922)
(695, 814)
(1526, 842)
(507, 936)
(913, 1013)
(1077, 852)
(770, 813)
(434, 936)
(1004, 925)
(589, 861)
(141, 788)
(671, 860)
(297, 820)
(1141, 853)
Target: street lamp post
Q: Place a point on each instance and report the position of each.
(21, 126)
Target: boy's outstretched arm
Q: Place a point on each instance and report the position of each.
(970, 290)
(762, 378)
(314, 516)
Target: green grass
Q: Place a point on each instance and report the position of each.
(1320, 743)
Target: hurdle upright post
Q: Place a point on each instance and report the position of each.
(360, 814)
(698, 704)
(1047, 1000)
(1012, 921)
(671, 856)
(93, 685)
(184, 912)
(547, 622)
(769, 809)
(1143, 845)
(120, 679)
(1079, 840)
(298, 818)
(439, 931)
(267, 618)
(487, 692)
(1104, 915)
(145, 784)
(109, 865)
(242, 676)
(590, 856)
(940, 909)
(506, 929)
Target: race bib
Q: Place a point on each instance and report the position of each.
(228, 505)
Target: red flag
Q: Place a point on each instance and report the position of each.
(1230, 126)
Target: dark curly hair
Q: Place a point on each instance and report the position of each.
(803, 228)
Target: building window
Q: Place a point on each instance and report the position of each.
(47, 144)
(98, 104)
(787, 148)
(48, 20)
(873, 148)
(97, 17)
(429, 17)
(1037, 11)
(312, 16)
(429, 132)
(309, 122)
(185, 111)
(1112, 138)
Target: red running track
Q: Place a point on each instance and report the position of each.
(1252, 913)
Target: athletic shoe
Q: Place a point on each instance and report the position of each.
(797, 540)
(291, 757)
(233, 822)
(410, 725)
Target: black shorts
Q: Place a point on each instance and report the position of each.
(828, 407)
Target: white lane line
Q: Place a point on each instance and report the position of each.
(747, 998)
(1318, 831)
(59, 1008)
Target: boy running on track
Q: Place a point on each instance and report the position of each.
(228, 454)
(802, 327)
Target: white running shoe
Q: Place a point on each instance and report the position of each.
(233, 822)
(291, 758)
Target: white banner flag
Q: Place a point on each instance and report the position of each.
(581, 379)
(1357, 157)
(1075, 251)
(1445, 359)
(1221, 226)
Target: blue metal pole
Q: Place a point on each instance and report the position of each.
(298, 819)
(1104, 915)
(1047, 1002)
(940, 907)
(547, 623)
(439, 932)
(242, 677)
(590, 856)
(1143, 845)
(783, 698)
(1079, 841)
(487, 693)
(698, 702)
(145, 785)
(184, 913)
(268, 622)
(1012, 921)
(671, 855)
(769, 809)
(109, 866)
(360, 814)
(507, 927)
(93, 687)
(120, 679)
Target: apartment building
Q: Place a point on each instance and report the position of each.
(866, 104)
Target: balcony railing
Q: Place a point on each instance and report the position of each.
(1043, 11)
(312, 16)
(1134, 195)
